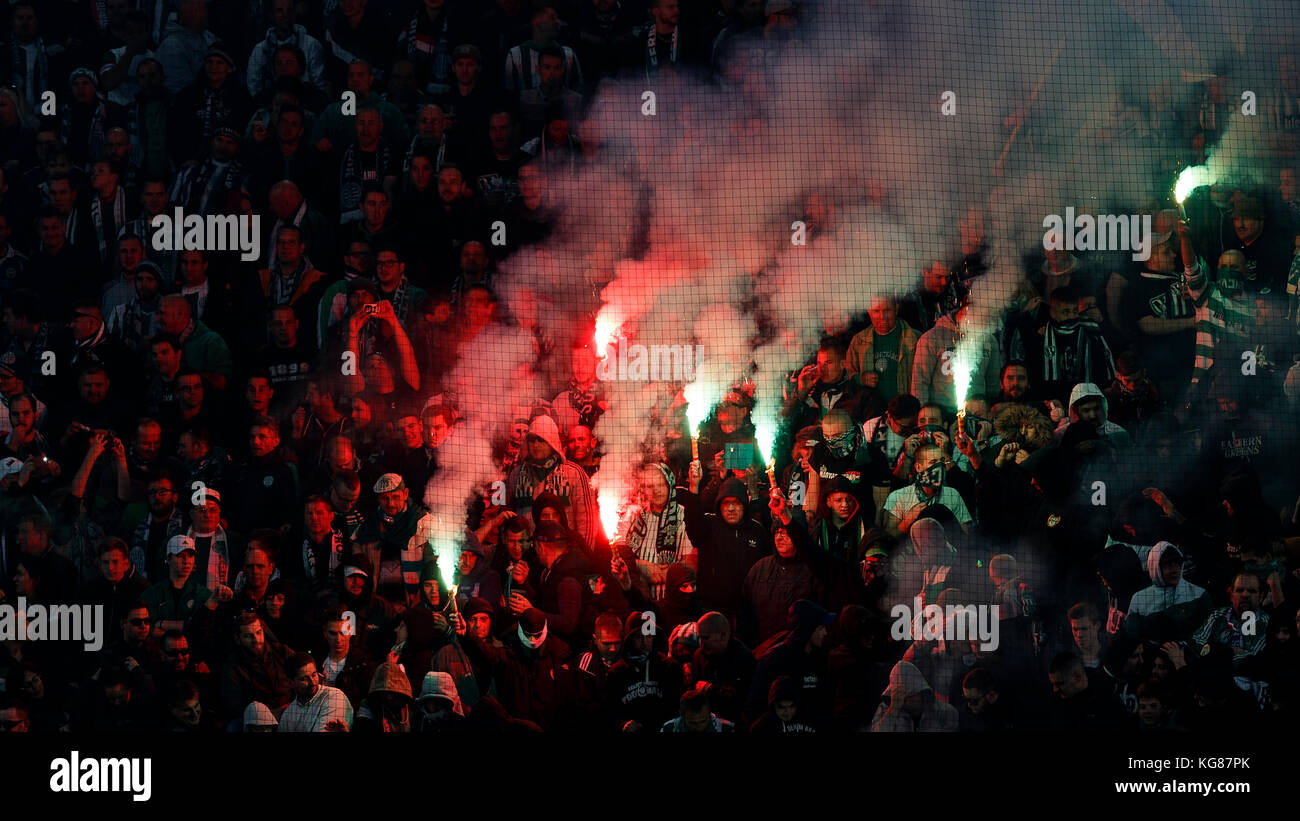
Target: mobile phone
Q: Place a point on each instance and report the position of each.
(738, 455)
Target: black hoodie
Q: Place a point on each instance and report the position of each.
(726, 552)
(645, 688)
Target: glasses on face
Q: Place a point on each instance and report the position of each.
(138, 622)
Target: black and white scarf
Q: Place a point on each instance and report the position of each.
(532, 476)
(354, 174)
(335, 560)
(117, 213)
(665, 546)
(1068, 351)
(29, 87)
(585, 402)
(652, 50)
(424, 46)
(295, 219)
(283, 287)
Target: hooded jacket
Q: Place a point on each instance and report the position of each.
(558, 475)
(774, 584)
(640, 688)
(439, 687)
(1109, 431)
(729, 674)
(783, 689)
(1166, 612)
(930, 383)
(788, 658)
(726, 552)
(905, 680)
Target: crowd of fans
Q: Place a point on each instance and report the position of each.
(182, 447)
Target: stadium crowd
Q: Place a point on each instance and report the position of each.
(182, 447)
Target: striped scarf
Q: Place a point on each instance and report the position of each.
(335, 557)
(1220, 319)
(1068, 349)
(95, 139)
(354, 174)
(118, 214)
(652, 49)
(422, 45)
(29, 87)
(657, 537)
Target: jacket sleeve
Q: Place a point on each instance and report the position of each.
(922, 372)
(583, 501)
(569, 594)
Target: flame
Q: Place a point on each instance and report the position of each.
(765, 436)
(608, 500)
(697, 405)
(607, 325)
(1189, 179)
(962, 366)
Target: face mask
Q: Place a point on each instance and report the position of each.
(844, 444)
(530, 642)
(932, 477)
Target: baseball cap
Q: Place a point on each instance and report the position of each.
(467, 50)
(532, 621)
(353, 570)
(388, 483)
(179, 544)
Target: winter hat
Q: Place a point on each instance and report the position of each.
(151, 268)
(1248, 208)
(679, 574)
(428, 572)
(219, 50)
(388, 483)
(227, 132)
(544, 428)
(257, 714)
(473, 545)
(634, 623)
(438, 686)
(389, 678)
(808, 613)
(474, 606)
(550, 532)
(688, 633)
(83, 72)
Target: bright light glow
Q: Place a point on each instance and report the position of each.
(1191, 178)
(698, 404)
(609, 501)
(607, 323)
(765, 436)
(962, 367)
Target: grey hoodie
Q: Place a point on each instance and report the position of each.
(906, 680)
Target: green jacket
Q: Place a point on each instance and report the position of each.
(166, 603)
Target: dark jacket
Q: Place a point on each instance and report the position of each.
(726, 552)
